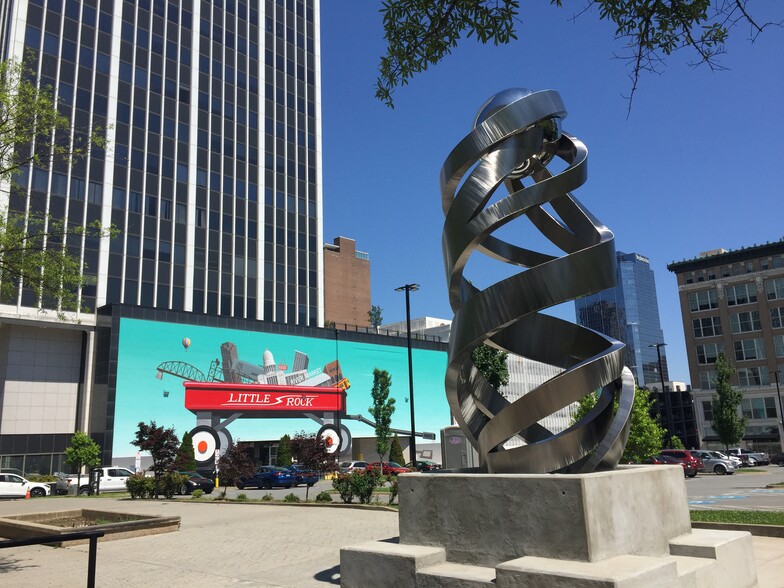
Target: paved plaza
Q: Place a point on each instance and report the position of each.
(231, 544)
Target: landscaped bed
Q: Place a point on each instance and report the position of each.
(756, 522)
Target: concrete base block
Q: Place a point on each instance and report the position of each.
(383, 565)
(625, 571)
(600, 530)
(732, 551)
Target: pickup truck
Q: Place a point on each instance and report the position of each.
(750, 458)
(112, 479)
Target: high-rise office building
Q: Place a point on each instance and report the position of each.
(211, 174)
(733, 302)
(629, 313)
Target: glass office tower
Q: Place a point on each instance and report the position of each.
(630, 313)
(212, 168)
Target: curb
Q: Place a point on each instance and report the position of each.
(758, 530)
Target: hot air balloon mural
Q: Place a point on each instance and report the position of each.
(186, 342)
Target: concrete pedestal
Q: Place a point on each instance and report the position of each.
(629, 527)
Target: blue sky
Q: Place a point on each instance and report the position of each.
(696, 166)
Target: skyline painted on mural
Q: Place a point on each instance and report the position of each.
(691, 169)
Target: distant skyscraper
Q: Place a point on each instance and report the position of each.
(630, 313)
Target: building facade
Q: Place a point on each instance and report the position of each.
(346, 283)
(211, 174)
(629, 313)
(733, 302)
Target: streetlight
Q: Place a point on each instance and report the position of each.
(667, 413)
(410, 288)
(781, 408)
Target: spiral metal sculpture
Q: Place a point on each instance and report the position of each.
(515, 135)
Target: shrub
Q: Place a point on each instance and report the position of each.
(392, 491)
(267, 497)
(41, 479)
(291, 497)
(364, 485)
(170, 483)
(198, 493)
(324, 497)
(140, 486)
(241, 497)
(342, 484)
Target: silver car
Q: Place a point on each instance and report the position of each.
(712, 463)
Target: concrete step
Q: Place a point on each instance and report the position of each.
(731, 551)
(452, 575)
(696, 572)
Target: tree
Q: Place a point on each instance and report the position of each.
(491, 362)
(38, 252)
(382, 410)
(284, 451)
(186, 456)
(727, 420)
(311, 453)
(396, 451)
(645, 433)
(236, 462)
(374, 317)
(420, 33)
(82, 451)
(162, 444)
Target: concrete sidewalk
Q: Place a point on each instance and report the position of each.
(232, 544)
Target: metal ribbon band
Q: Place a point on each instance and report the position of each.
(515, 136)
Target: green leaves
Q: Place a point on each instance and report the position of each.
(382, 410)
(491, 362)
(727, 420)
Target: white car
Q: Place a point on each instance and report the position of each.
(14, 486)
(736, 461)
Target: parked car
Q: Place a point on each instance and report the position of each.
(348, 467)
(754, 457)
(777, 459)
(268, 477)
(196, 481)
(736, 461)
(66, 481)
(423, 465)
(15, 486)
(389, 468)
(685, 455)
(689, 470)
(303, 475)
(711, 463)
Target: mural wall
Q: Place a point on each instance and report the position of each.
(156, 359)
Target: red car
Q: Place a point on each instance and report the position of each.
(390, 468)
(688, 469)
(686, 456)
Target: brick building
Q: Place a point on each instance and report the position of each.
(346, 283)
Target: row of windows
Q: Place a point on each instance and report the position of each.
(736, 269)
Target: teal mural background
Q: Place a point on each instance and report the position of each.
(143, 345)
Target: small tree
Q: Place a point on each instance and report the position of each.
(727, 421)
(382, 410)
(491, 363)
(396, 451)
(162, 444)
(284, 451)
(82, 452)
(236, 462)
(645, 433)
(311, 453)
(374, 317)
(186, 456)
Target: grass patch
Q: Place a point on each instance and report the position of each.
(746, 517)
(750, 471)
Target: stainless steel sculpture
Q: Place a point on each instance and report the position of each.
(515, 135)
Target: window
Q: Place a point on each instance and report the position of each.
(745, 322)
(149, 249)
(778, 344)
(705, 300)
(759, 408)
(151, 205)
(708, 380)
(741, 294)
(777, 317)
(707, 410)
(753, 376)
(775, 288)
(134, 202)
(707, 354)
(707, 327)
(95, 193)
(749, 349)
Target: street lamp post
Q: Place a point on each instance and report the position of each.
(781, 408)
(667, 412)
(410, 288)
